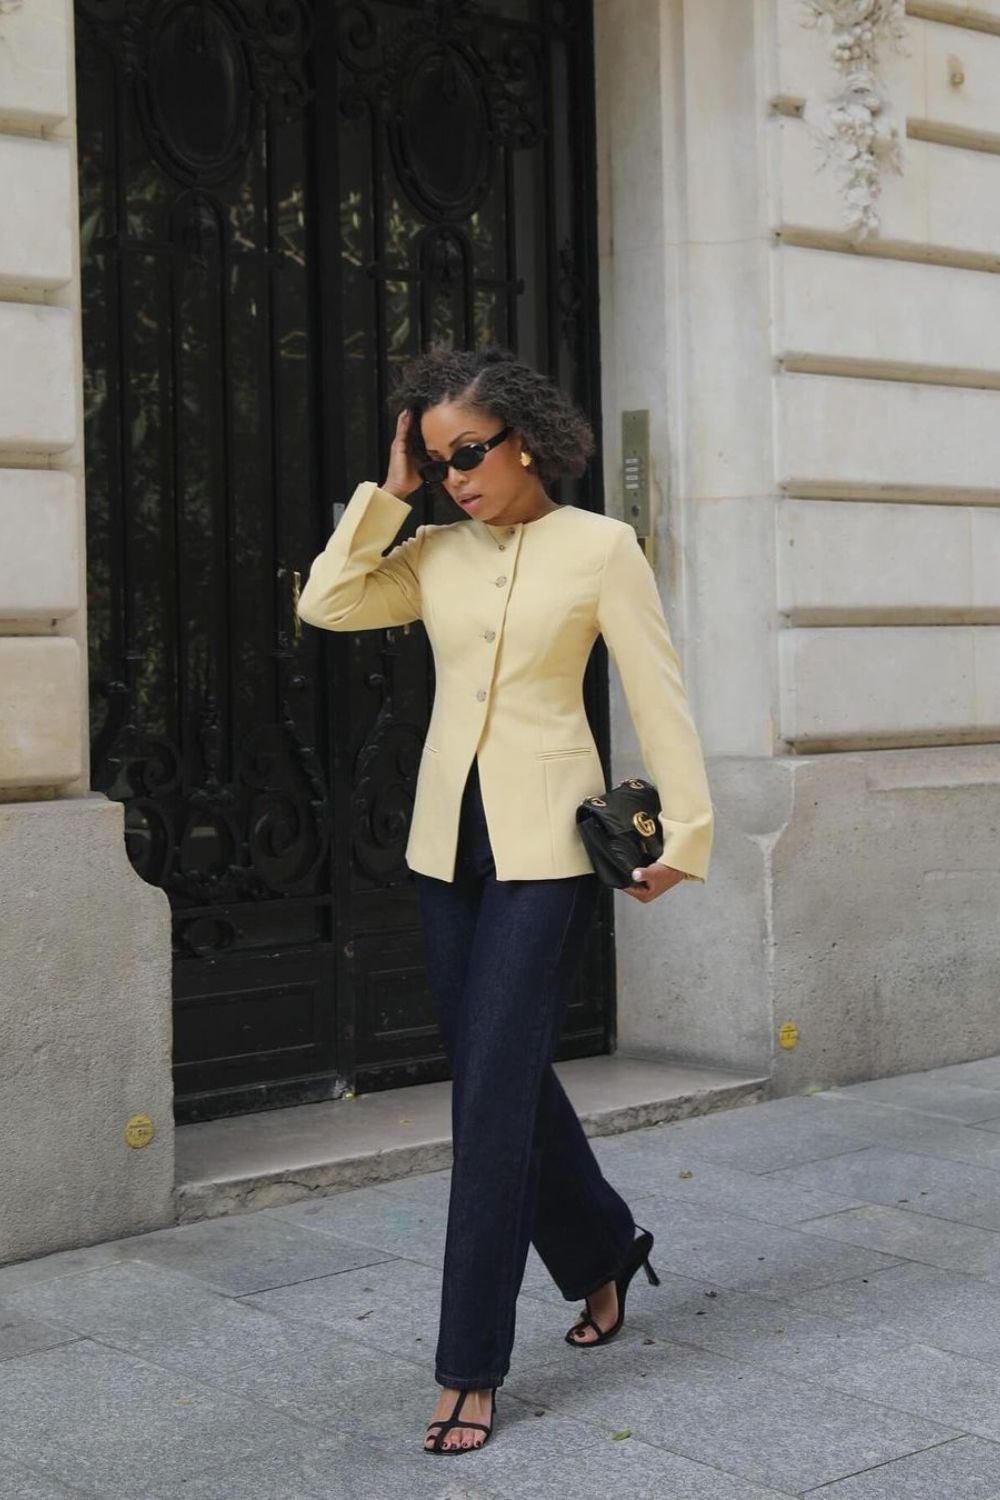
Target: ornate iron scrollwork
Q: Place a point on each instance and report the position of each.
(201, 70)
(260, 836)
(385, 779)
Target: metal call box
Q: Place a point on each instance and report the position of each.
(635, 475)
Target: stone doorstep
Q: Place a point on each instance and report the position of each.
(277, 1156)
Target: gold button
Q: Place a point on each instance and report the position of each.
(481, 695)
(501, 580)
(491, 635)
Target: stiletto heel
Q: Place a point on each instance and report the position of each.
(639, 1256)
(455, 1421)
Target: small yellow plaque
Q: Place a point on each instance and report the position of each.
(788, 1035)
(139, 1130)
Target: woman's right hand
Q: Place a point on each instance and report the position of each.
(403, 477)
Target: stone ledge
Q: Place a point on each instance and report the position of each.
(282, 1155)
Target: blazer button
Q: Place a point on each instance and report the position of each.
(490, 635)
(501, 580)
(481, 695)
(502, 546)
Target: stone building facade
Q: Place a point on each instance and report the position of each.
(799, 243)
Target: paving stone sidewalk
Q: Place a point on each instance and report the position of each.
(828, 1324)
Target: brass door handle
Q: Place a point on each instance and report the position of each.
(296, 594)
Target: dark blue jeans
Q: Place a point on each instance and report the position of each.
(502, 956)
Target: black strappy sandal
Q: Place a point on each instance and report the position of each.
(454, 1421)
(639, 1256)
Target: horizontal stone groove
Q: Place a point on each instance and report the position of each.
(33, 130)
(875, 615)
(965, 139)
(950, 15)
(801, 236)
(925, 740)
(14, 460)
(33, 296)
(896, 494)
(888, 369)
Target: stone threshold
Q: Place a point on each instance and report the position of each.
(279, 1156)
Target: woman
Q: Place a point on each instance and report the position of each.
(512, 599)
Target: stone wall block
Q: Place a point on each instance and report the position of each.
(854, 895)
(39, 560)
(37, 379)
(871, 683)
(85, 1031)
(36, 224)
(884, 901)
(901, 433)
(965, 97)
(842, 307)
(841, 559)
(35, 63)
(40, 731)
(701, 993)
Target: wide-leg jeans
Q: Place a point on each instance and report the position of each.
(502, 956)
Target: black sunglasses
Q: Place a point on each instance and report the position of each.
(469, 456)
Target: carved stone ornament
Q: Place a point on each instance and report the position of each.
(857, 138)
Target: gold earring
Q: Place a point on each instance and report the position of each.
(525, 459)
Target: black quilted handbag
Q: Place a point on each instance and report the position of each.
(621, 830)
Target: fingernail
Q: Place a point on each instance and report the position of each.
(636, 874)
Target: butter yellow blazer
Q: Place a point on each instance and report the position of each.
(511, 614)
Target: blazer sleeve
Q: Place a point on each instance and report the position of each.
(632, 622)
(351, 586)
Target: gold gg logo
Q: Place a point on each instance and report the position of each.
(597, 802)
(645, 824)
(637, 785)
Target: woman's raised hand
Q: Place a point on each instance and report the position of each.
(402, 478)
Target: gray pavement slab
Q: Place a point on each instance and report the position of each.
(982, 1074)
(387, 1223)
(771, 1260)
(898, 1179)
(251, 1253)
(776, 1335)
(786, 1133)
(962, 1469)
(21, 1334)
(913, 1236)
(100, 1420)
(792, 1435)
(950, 1098)
(19, 1483)
(671, 1166)
(806, 1128)
(531, 1465)
(932, 1383)
(397, 1310)
(921, 1303)
(828, 1323)
(63, 1263)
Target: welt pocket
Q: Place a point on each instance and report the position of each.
(566, 754)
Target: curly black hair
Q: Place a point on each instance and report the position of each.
(556, 434)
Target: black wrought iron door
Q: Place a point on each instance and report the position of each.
(456, 139)
(279, 202)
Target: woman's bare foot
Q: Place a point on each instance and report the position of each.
(603, 1308)
(478, 1407)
